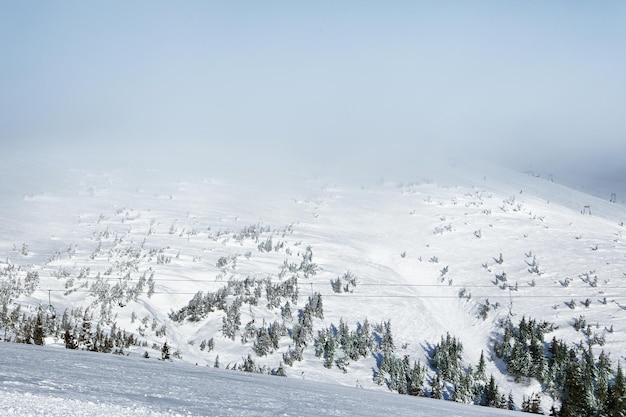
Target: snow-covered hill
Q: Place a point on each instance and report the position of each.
(57, 383)
(445, 253)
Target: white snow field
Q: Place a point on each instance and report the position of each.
(413, 246)
(37, 381)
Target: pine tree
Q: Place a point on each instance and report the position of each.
(85, 336)
(446, 357)
(387, 344)
(216, 364)
(402, 383)
(491, 397)
(274, 332)
(365, 341)
(437, 388)
(539, 364)
(286, 312)
(329, 351)
(480, 374)
(26, 331)
(317, 307)
(464, 389)
(165, 352)
(617, 394)
(38, 331)
(281, 370)
(503, 402)
(574, 398)
(535, 404)
(510, 403)
(248, 364)
(602, 393)
(262, 343)
(416, 380)
(525, 404)
(70, 341)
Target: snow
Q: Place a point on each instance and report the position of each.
(44, 381)
(396, 237)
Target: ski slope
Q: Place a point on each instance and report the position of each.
(53, 382)
(414, 247)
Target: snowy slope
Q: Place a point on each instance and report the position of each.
(54, 382)
(413, 246)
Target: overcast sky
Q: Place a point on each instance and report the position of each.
(373, 83)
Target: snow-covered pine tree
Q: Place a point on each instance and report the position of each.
(574, 397)
(464, 389)
(281, 370)
(510, 403)
(416, 379)
(446, 358)
(436, 387)
(480, 375)
(617, 394)
(387, 344)
(365, 342)
(491, 395)
(248, 364)
(165, 352)
(38, 330)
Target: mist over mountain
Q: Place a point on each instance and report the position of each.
(368, 88)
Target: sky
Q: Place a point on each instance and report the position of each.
(364, 84)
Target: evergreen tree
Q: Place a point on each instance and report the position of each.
(589, 374)
(281, 370)
(525, 404)
(70, 341)
(275, 331)
(317, 307)
(329, 351)
(510, 403)
(262, 343)
(437, 388)
(416, 379)
(464, 389)
(387, 344)
(446, 357)
(480, 374)
(503, 402)
(617, 395)
(26, 331)
(539, 363)
(364, 339)
(574, 398)
(535, 404)
(491, 396)
(248, 364)
(38, 331)
(165, 352)
(602, 393)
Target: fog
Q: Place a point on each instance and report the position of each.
(371, 87)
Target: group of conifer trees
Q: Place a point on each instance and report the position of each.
(581, 384)
(75, 328)
(585, 386)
